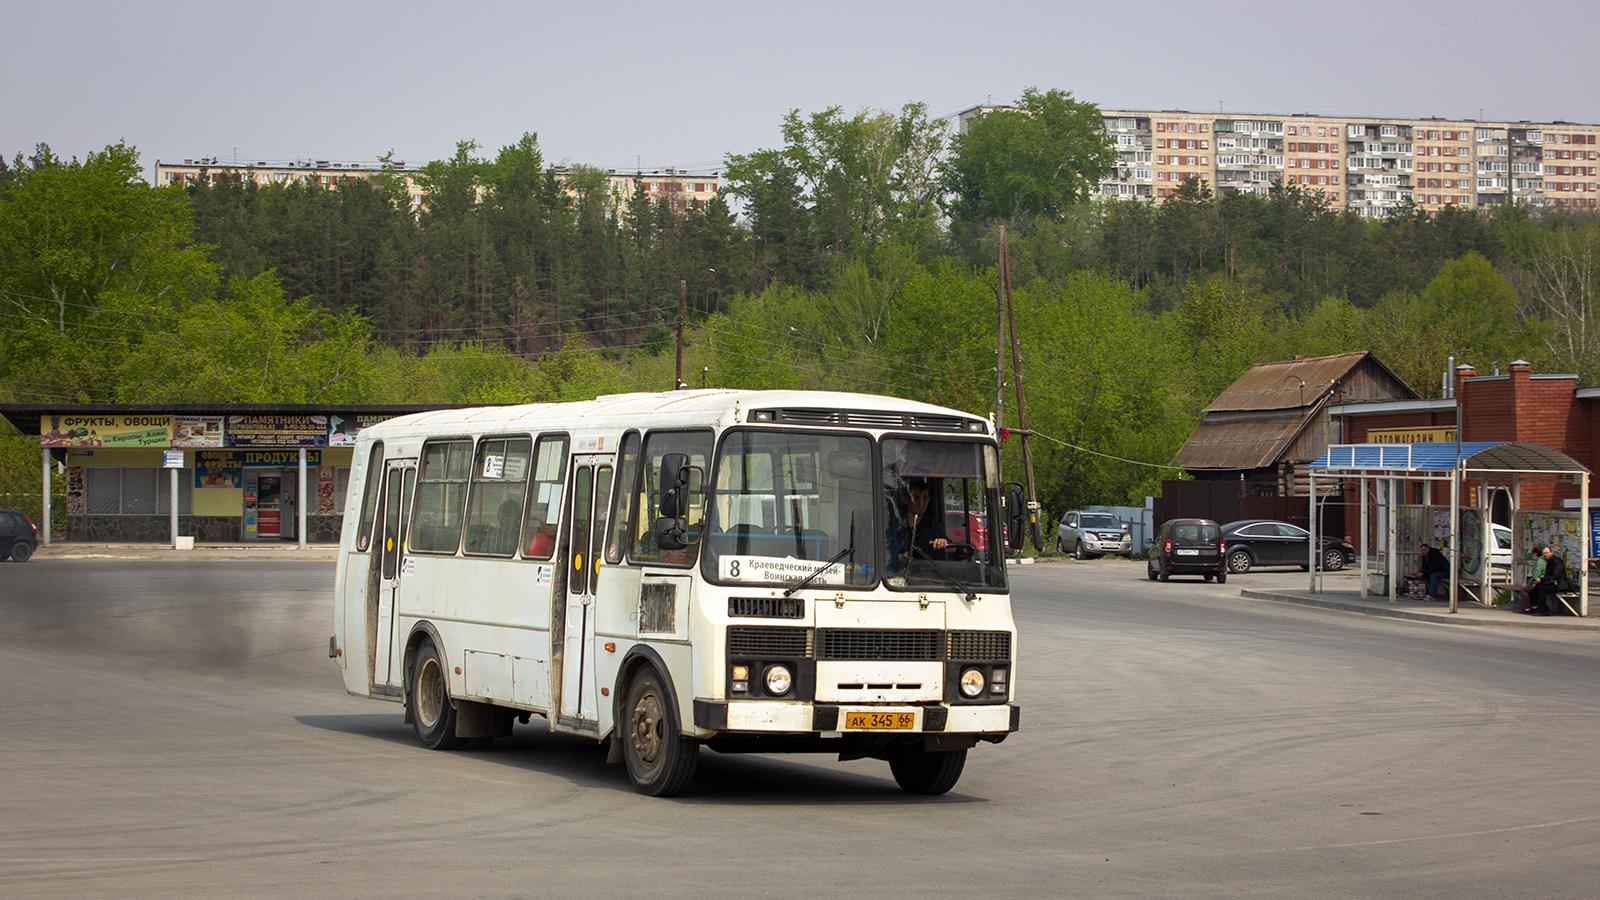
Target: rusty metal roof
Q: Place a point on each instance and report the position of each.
(1241, 440)
(1292, 383)
(1253, 422)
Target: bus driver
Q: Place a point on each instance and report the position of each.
(917, 534)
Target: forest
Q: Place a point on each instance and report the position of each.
(860, 255)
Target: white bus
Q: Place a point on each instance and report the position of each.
(754, 571)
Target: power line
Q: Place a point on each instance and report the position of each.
(1136, 462)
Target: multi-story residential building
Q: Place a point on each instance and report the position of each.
(1570, 160)
(676, 189)
(1379, 164)
(321, 172)
(1250, 154)
(1183, 149)
(1371, 166)
(1314, 157)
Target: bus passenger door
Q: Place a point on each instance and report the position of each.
(399, 483)
(589, 486)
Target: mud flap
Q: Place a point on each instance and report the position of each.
(482, 720)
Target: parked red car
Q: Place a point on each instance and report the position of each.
(958, 527)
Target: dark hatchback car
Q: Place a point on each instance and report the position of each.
(1263, 542)
(1188, 547)
(18, 537)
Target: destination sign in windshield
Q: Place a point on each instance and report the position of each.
(786, 570)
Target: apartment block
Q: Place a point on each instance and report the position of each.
(326, 173)
(1371, 166)
(676, 189)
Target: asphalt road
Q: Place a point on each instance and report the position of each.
(175, 729)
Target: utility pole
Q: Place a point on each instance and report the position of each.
(683, 292)
(1016, 379)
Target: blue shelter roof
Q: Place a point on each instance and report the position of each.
(1518, 456)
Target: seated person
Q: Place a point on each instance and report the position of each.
(542, 541)
(1434, 568)
(1524, 594)
(918, 534)
(1551, 582)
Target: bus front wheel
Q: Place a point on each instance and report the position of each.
(428, 698)
(921, 771)
(660, 760)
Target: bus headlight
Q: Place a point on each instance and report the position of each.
(779, 680)
(972, 683)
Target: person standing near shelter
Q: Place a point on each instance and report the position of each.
(1551, 583)
(1434, 568)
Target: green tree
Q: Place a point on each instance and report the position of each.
(251, 345)
(90, 258)
(1035, 160)
(861, 179)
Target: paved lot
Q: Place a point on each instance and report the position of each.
(173, 727)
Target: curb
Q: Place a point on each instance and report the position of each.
(202, 552)
(1479, 618)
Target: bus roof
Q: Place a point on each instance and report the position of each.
(688, 408)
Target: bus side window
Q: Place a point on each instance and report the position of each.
(544, 497)
(369, 497)
(441, 496)
(697, 446)
(494, 510)
(622, 496)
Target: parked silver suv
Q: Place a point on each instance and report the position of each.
(1087, 534)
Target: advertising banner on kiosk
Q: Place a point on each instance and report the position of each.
(196, 431)
(105, 431)
(277, 431)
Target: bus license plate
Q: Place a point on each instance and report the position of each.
(875, 721)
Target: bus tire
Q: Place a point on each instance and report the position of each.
(660, 760)
(921, 771)
(433, 715)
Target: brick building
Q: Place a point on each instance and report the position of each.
(1551, 410)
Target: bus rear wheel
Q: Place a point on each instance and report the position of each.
(921, 771)
(660, 760)
(433, 715)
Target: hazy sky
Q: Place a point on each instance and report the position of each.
(622, 84)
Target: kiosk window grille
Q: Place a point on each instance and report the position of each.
(128, 491)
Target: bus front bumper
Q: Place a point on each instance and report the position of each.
(788, 717)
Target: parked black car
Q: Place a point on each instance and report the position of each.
(1263, 542)
(18, 537)
(1188, 547)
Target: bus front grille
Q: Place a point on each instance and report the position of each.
(768, 642)
(879, 644)
(767, 607)
(980, 646)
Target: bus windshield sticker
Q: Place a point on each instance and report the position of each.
(782, 570)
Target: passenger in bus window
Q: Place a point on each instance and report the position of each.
(542, 543)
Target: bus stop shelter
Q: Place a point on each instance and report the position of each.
(1381, 472)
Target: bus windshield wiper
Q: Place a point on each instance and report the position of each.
(948, 578)
(830, 563)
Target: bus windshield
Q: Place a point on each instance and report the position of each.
(938, 498)
(789, 505)
(784, 503)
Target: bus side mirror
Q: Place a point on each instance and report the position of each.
(674, 487)
(671, 529)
